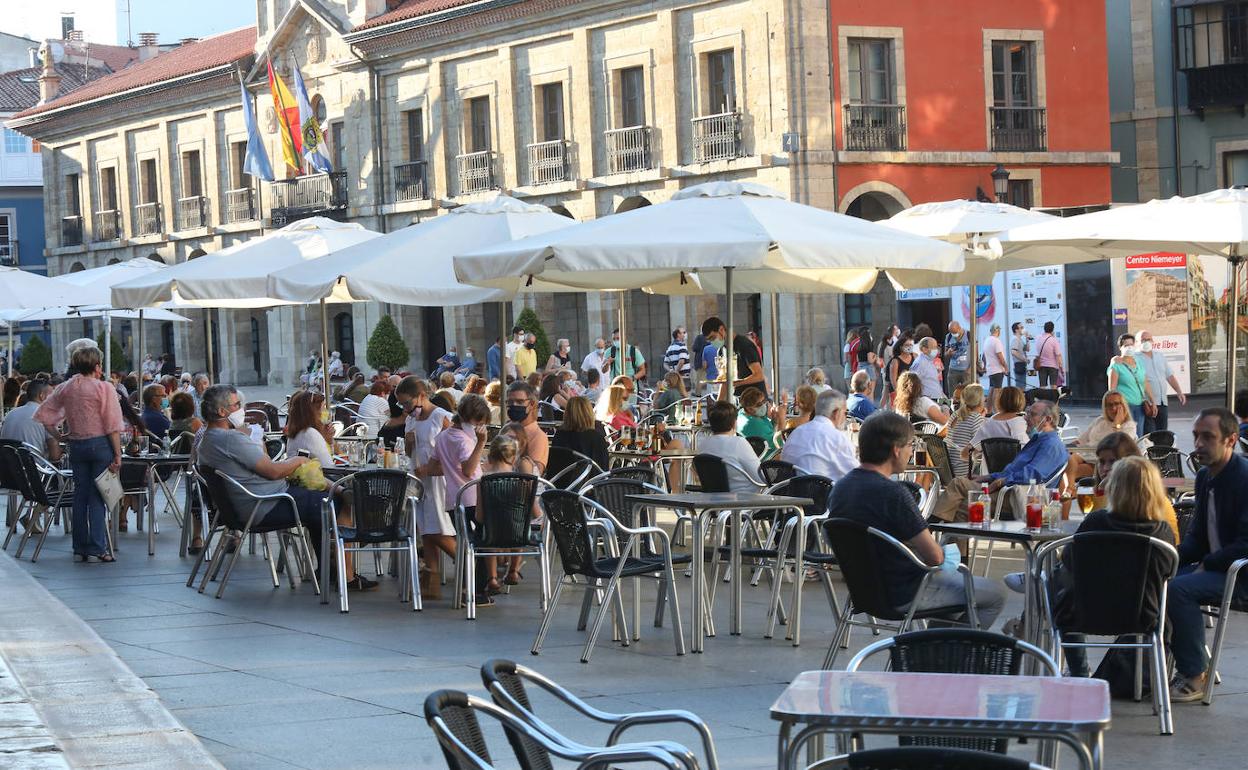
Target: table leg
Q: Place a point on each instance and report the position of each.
(736, 520)
(697, 529)
(324, 555)
(799, 579)
(151, 510)
(1031, 599)
(636, 582)
(783, 752)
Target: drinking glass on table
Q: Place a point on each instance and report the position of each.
(1085, 494)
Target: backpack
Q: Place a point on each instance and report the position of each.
(1118, 669)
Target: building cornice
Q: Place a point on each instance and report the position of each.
(979, 158)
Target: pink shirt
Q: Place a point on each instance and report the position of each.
(87, 406)
(1047, 348)
(452, 447)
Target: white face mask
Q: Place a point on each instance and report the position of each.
(1146, 346)
(236, 418)
(1128, 350)
(908, 349)
(933, 353)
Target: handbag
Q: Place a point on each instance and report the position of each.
(1035, 362)
(109, 485)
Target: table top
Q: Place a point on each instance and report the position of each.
(1015, 531)
(370, 439)
(723, 500)
(900, 699)
(151, 458)
(675, 454)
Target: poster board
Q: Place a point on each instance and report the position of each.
(1036, 296)
(1158, 300)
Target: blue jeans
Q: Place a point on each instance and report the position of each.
(1020, 375)
(89, 458)
(1137, 414)
(1189, 591)
(948, 589)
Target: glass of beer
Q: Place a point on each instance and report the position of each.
(1086, 496)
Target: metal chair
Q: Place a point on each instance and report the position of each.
(923, 758)
(1168, 460)
(612, 493)
(505, 509)
(568, 469)
(1114, 576)
(713, 470)
(452, 715)
(641, 473)
(956, 651)
(999, 452)
(270, 411)
(860, 552)
(505, 681)
(1221, 615)
(758, 444)
(47, 488)
(1161, 437)
(938, 456)
(926, 427)
(382, 512)
(12, 481)
(819, 490)
(568, 515)
(774, 471)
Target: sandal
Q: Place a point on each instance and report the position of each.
(513, 578)
(492, 588)
(105, 558)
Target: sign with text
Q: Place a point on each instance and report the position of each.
(1157, 300)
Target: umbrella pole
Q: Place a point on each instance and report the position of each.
(730, 364)
(775, 344)
(108, 346)
(325, 353)
(8, 367)
(1232, 336)
(502, 357)
(138, 349)
(622, 353)
(973, 331)
(208, 344)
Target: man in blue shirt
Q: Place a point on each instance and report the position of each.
(859, 404)
(957, 358)
(925, 367)
(494, 359)
(1040, 460)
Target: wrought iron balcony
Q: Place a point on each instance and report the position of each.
(475, 171)
(147, 219)
(1222, 85)
(716, 137)
(307, 196)
(1211, 50)
(875, 127)
(548, 162)
(1018, 129)
(8, 253)
(411, 181)
(240, 206)
(192, 212)
(628, 149)
(71, 230)
(106, 225)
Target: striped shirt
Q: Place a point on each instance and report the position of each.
(672, 358)
(958, 437)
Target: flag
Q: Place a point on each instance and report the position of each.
(287, 119)
(312, 136)
(256, 162)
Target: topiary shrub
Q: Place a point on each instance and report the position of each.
(528, 321)
(36, 357)
(386, 347)
(119, 361)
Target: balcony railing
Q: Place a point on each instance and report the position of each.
(411, 181)
(628, 149)
(240, 206)
(71, 230)
(475, 171)
(1222, 85)
(307, 196)
(192, 212)
(8, 253)
(548, 162)
(716, 137)
(106, 225)
(147, 219)
(1017, 129)
(878, 127)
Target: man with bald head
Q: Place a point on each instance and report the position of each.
(957, 358)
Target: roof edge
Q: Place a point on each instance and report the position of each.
(363, 33)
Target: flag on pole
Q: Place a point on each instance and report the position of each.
(287, 119)
(256, 162)
(312, 136)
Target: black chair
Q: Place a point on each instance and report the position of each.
(1117, 588)
(613, 493)
(713, 471)
(568, 469)
(381, 511)
(1161, 437)
(505, 681)
(924, 758)
(48, 489)
(938, 456)
(1168, 460)
(758, 444)
(12, 481)
(641, 473)
(270, 411)
(568, 515)
(860, 552)
(999, 452)
(956, 651)
(452, 715)
(775, 471)
(505, 509)
(1053, 395)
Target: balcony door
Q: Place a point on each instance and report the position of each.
(1013, 73)
(632, 81)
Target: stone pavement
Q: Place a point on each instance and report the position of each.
(272, 679)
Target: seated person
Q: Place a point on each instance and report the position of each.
(673, 392)
(182, 417)
(867, 494)
(1137, 503)
(466, 367)
(821, 446)
(963, 426)
(155, 401)
(1217, 537)
(335, 365)
(225, 448)
(375, 408)
(449, 362)
(580, 433)
(20, 425)
(1114, 418)
(913, 403)
(593, 385)
(727, 445)
(304, 429)
(1007, 421)
(756, 419)
(1039, 461)
(860, 404)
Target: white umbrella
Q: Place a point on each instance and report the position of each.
(726, 235)
(22, 290)
(1212, 223)
(64, 312)
(966, 224)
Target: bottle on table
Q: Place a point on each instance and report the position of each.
(1053, 509)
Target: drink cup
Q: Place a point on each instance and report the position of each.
(976, 510)
(1035, 516)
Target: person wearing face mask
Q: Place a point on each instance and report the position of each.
(821, 445)
(1127, 376)
(522, 410)
(758, 420)
(749, 364)
(924, 365)
(155, 406)
(632, 361)
(526, 356)
(884, 359)
(423, 422)
(1160, 378)
(1020, 347)
(457, 453)
(904, 352)
(561, 356)
(594, 359)
(513, 346)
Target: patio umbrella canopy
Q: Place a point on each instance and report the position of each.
(98, 282)
(20, 289)
(238, 276)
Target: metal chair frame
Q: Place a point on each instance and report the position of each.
(41, 480)
(921, 757)
(579, 470)
(1222, 615)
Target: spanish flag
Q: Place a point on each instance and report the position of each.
(287, 118)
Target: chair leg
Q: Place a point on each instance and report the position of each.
(1211, 673)
(1161, 688)
(612, 589)
(216, 563)
(591, 590)
(271, 558)
(678, 630)
(839, 636)
(228, 569)
(340, 559)
(660, 601)
(413, 567)
(1138, 692)
(547, 617)
(48, 522)
(620, 616)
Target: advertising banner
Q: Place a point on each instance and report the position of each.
(1209, 300)
(1157, 300)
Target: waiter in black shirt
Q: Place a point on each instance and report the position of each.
(749, 371)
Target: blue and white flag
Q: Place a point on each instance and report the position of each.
(256, 162)
(312, 136)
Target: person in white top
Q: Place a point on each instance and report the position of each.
(726, 444)
(1007, 422)
(424, 422)
(514, 344)
(994, 360)
(375, 408)
(335, 364)
(304, 429)
(817, 379)
(446, 382)
(594, 361)
(821, 446)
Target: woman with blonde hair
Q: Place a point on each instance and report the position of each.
(618, 414)
(911, 403)
(494, 397)
(672, 393)
(962, 427)
(804, 402)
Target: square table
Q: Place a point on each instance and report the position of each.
(700, 505)
(153, 462)
(1072, 710)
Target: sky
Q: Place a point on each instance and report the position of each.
(105, 21)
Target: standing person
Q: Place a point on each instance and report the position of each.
(995, 361)
(697, 367)
(958, 356)
(513, 346)
(904, 352)
(883, 358)
(457, 455)
(1049, 358)
(595, 359)
(1160, 376)
(710, 362)
(633, 363)
(925, 367)
(90, 410)
(867, 360)
(1020, 350)
(1127, 376)
(1218, 536)
(424, 421)
(749, 365)
(526, 356)
(849, 353)
(561, 356)
(676, 357)
(494, 359)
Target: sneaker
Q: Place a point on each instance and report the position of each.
(1188, 690)
(1015, 582)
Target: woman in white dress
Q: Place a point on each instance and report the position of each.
(424, 422)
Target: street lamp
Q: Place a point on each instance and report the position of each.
(1001, 183)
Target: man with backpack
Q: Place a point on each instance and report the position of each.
(614, 364)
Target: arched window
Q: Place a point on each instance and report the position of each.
(344, 335)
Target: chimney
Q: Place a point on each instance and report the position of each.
(76, 35)
(148, 45)
(49, 79)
